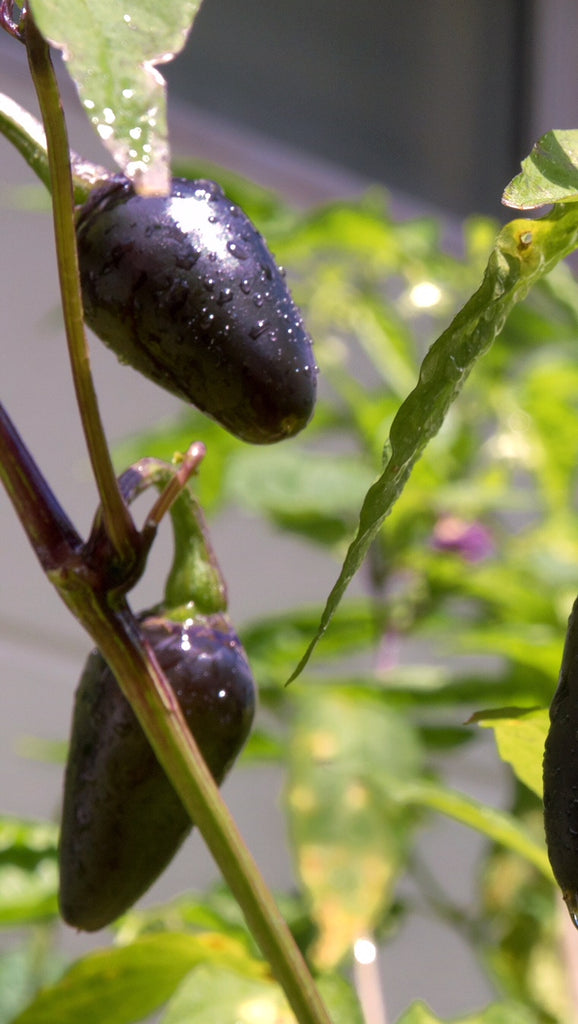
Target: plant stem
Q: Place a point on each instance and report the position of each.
(27, 135)
(117, 634)
(158, 711)
(118, 522)
(47, 526)
(115, 630)
(180, 756)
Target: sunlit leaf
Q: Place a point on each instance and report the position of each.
(349, 841)
(212, 994)
(524, 251)
(121, 986)
(549, 174)
(112, 50)
(520, 738)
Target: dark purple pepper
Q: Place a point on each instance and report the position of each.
(122, 821)
(185, 290)
(561, 774)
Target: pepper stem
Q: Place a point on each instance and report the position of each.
(118, 522)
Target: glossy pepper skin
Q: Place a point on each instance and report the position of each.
(122, 821)
(561, 774)
(185, 290)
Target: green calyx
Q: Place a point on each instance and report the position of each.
(194, 585)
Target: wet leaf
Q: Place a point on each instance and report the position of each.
(112, 51)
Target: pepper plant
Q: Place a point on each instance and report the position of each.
(457, 507)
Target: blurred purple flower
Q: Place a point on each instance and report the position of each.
(472, 541)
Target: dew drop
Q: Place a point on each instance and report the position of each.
(245, 286)
(258, 329)
(572, 904)
(237, 250)
(207, 321)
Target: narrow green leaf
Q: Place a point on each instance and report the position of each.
(524, 251)
(498, 826)
(274, 643)
(520, 738)
(112, 50)
(549, 174)
(121, 986)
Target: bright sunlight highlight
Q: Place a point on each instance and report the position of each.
(364, 951)
(425, 295)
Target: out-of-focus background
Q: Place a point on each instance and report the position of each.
(436, 101)
(440, 100)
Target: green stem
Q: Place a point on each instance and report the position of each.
(159, 713)
(116, 632)
(27, 135)
(118, 521)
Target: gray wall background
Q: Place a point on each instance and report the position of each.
(427, 97)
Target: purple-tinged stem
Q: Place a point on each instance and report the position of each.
(47, 526)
